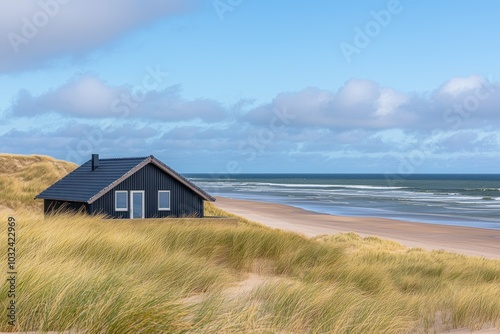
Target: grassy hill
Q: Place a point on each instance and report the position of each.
(23, 177)
(92, 275)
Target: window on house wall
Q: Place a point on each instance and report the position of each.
(121, 200)
(164, 200)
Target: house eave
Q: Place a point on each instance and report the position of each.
(61, 199)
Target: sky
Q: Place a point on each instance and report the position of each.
(237, 86)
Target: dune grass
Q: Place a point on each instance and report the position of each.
(93, 275)
(23, 177)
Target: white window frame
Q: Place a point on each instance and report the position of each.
(169, 201)
(116, 201)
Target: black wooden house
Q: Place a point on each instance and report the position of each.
(126, 188)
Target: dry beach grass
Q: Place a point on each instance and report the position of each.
(22, 177)
(93, 275)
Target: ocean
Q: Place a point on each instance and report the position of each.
(452, 199)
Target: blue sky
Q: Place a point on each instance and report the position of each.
(238, 86)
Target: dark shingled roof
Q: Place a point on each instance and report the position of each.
(85, 185)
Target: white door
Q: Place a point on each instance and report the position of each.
(136, 204)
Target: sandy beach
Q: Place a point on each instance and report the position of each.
(462, 240)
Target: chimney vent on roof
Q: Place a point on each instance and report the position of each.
(95, 161)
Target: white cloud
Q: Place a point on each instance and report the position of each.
(89, 97)
(389, 101)
(35, 32)
(363, 104)
(357, 92)
(358, 104)
(458, 85)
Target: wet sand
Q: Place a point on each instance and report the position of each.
(462, 240)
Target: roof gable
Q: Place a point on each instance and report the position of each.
(85, 185)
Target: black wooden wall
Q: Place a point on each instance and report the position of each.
(52, 206)
(183, 201)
